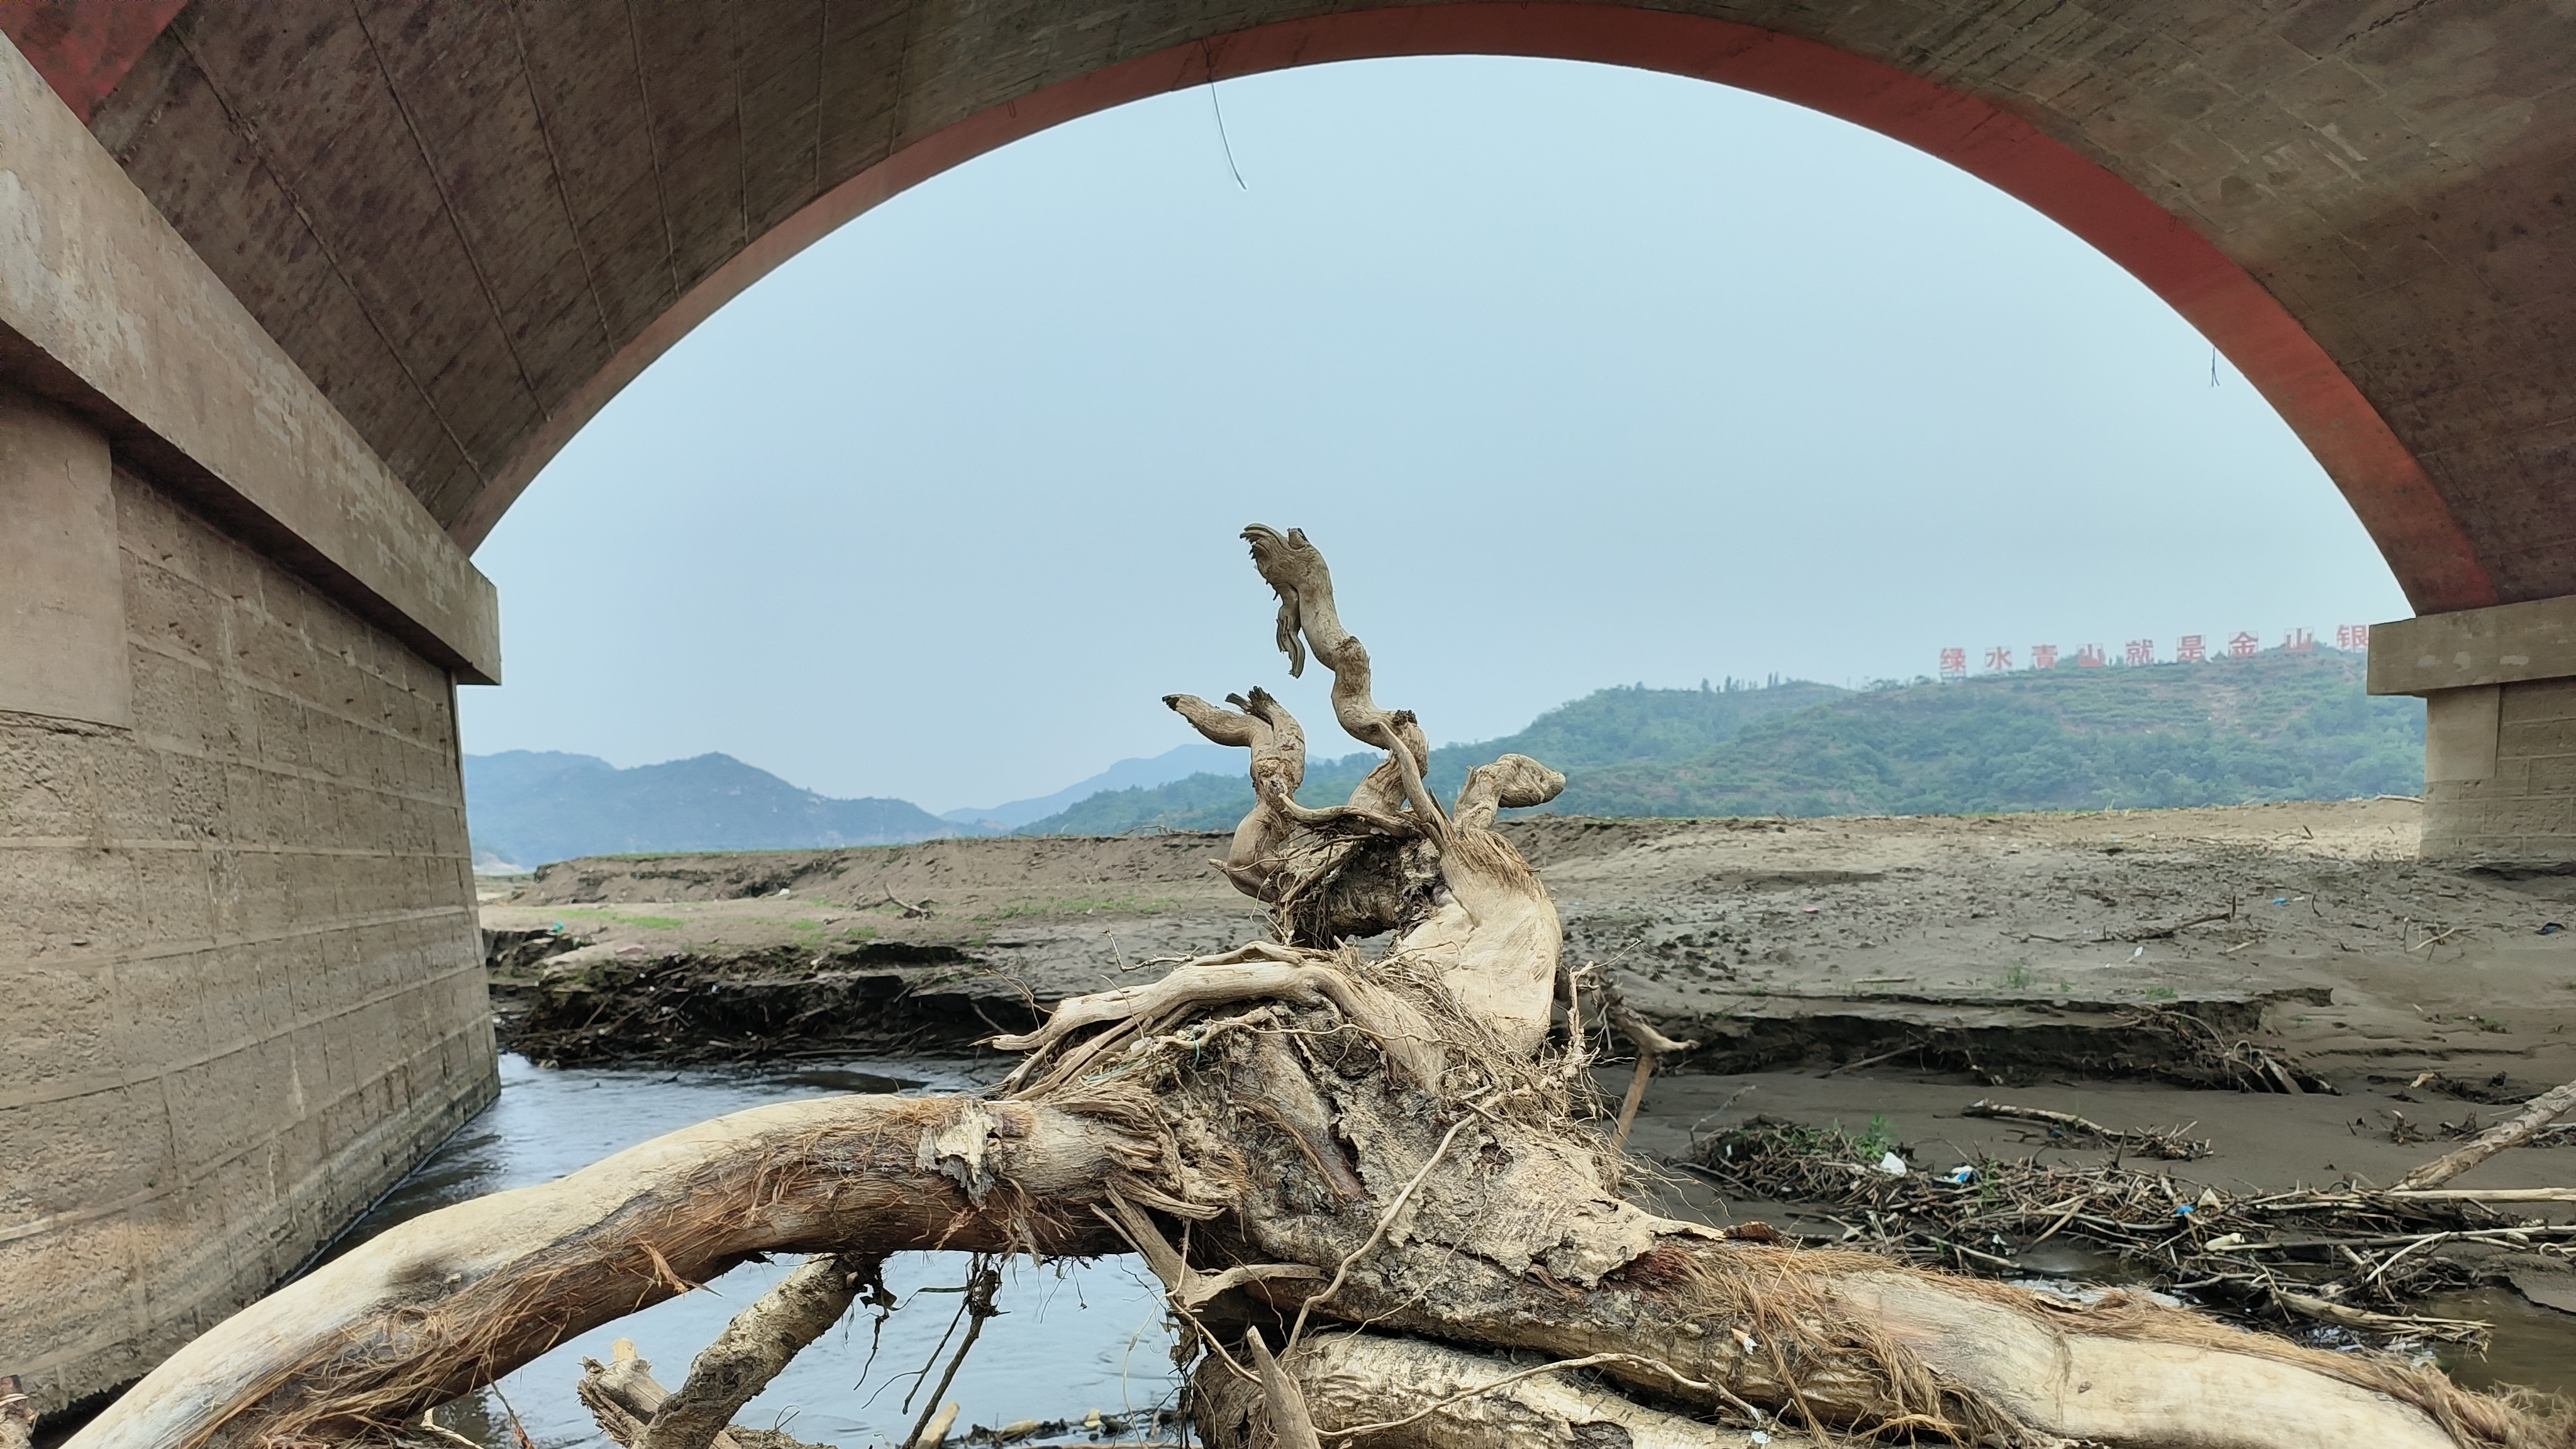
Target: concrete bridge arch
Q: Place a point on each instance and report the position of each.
(295, 298)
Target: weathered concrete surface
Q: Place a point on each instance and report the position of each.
(108, 312)
(2499, 688)
(62, 612)
(470, 223)
(2500, 783)
(2507, 644)
(238, 946)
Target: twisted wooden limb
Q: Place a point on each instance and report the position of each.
(452, 1299)
(1397, 1393)
(1275, 973)
(1283, 1399)
(1514, 782)
(759, 1343)
(1295, 570)
(1845, 1339)
(1278, 744)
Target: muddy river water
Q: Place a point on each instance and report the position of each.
(1074, 1337)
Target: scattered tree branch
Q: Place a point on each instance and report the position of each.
(2546, 1108)
(2173, 1146)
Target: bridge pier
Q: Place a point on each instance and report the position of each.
(240, 977)
(2499, 689)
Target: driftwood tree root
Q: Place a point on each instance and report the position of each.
(1385, 1143)
(1404, 1393)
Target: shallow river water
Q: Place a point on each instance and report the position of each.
(1071, 1337)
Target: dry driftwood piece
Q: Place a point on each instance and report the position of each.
(753, 1349)
(17, 1414)
(1335, 1138)
(2173, 1146)
(2544, 1109)
(1390, 1392)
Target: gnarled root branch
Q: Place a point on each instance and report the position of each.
(1399, 1393)
(454, 1298)
(1278, 744)
(1257, 972)
(1844, 1339)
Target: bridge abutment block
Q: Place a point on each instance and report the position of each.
(243, 977)
(2499, 689)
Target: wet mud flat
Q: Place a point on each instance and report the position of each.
(2239, 948)
(2317, 1004)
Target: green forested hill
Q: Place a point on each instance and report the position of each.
(2274, 727)
(2278, 726)
(1610, 728)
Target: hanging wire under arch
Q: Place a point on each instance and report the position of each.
(1214, 105)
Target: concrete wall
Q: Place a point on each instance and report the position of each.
(2500, 774)
(237, 935)
(2499, 688)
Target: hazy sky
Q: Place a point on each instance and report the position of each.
(1579, 376)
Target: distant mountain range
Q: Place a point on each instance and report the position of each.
(2278, 726)
(1176, 763)
(1613, 728)
(526, 808)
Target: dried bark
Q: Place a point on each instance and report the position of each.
(2546, 1108)
(1383, 1140)
(753, 1349)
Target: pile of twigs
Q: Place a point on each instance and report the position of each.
(2345, 1255)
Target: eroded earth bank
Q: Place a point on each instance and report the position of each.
(2311, 1004)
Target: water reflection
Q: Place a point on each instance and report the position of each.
(1072, 1336)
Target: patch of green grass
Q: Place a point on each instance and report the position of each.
(860, 933)
(2017, 977)
(2161, 993)
(649, 923)
(1077, 906)
(1876, 1142)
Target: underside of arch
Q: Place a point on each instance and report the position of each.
(472, 224)
(2378, 476)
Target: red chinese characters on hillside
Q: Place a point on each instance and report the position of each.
(2139, 653)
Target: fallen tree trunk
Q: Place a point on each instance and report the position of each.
(1383, 1140)
(453, 1299)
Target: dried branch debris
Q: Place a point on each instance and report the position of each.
(2346, 1255)
(2170, 1145)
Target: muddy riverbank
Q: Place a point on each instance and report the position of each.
(2290, 979)
(2197, 947)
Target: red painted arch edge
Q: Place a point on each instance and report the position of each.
(83, 48)
(2413, 526)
